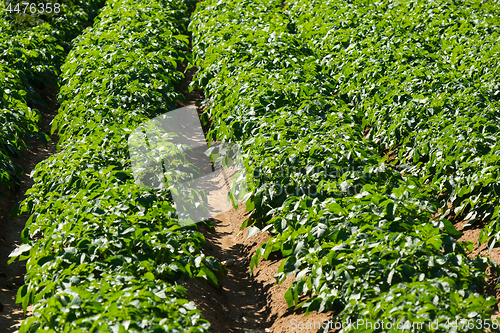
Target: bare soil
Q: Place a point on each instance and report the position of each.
(245, 303)
(12, 276)
(472, 235)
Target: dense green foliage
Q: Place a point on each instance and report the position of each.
(17, 121)
(427, 84)
(31, 58)
(112, 251)
(360, 120)
(362, 123)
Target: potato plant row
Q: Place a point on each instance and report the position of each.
(104, 254)
(427, 85)
(31, 58)
(361, 235)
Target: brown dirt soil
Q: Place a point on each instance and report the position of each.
(245, 303)
(472, 235)
(12, 276)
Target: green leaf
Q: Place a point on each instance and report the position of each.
(209, 275)
(149, 276)
(20, 250)
(253, 231)
(289, 297)
(450, 228)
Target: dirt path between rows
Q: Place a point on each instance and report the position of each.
(12, 276)
(244, 302)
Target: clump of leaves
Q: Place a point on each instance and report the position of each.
(30, 58)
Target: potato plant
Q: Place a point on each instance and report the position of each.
(31, 58)
(105, 254)
(360, 120)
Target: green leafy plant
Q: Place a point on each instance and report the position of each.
(361, 122)
(104, 253)
(30, 58)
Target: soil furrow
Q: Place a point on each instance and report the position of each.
(12, 276)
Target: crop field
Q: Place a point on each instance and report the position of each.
(370, 138)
